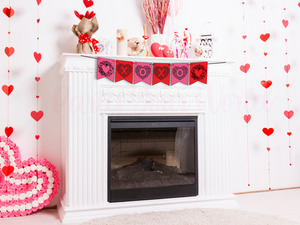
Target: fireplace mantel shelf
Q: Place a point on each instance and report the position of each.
(86, 105)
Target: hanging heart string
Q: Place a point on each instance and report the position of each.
(37, 115)
(244, 68)
(288, 113)
(266, 84)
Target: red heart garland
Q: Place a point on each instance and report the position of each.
(7, 89)
(9, 51)
(287, 85)
(38, 2)
(266, 84)
(8, 131)
(264, 37)
(289, 114)
(267, 131)
(244, 36)
(37, 137)
(7, 170)
(299, 4)
(247, 118)
(37, 79)
(285, 23)
(287, 68)
(38, 20)
(265, 53)
(268, 148)
(245, 68)
(9, 12)
(88, 3)
(289, 133)
(37, 56)
(37, 115)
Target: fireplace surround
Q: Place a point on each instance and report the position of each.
(87, 105)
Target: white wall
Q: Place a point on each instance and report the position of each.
(57, 18)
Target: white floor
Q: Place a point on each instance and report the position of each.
(284, 204)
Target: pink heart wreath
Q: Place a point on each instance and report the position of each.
(28, 186)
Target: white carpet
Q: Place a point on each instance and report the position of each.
(193, 217)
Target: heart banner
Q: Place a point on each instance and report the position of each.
(161, 73)
(142, 72)
(124, 71)
(198, 72)
(151, 73)
(180, 73)
(106, 69)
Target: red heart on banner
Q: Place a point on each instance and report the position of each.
(289, 114)
(37, 115)
(8, 131)
(247, 118)
(7, 170)
(37, 56)
(266, 84)
(287, 68)
(244, 36)
(245, 68)
(9, 51)
(264, 37)
(37, 79)
(267, 131)
(289, 133)
(88, 3)
(37, 137)
(9, 12)
(285, 23)
(7, 89)
(157, 50)
(38, 2)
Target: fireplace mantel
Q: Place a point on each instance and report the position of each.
(86, 105)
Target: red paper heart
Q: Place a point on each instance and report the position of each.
(9, 12)
(157, 50)
(264, 37)
(299, 4)
(38, 2)
(37, 56)
(268, 148)
(287, 68)
(267, 131)
(8, 131)
(289, 114)
(266, 84)
(37, 137)
(244, 36)
(285, 23)
(7, 89)
(7, 170)
(88, 3)
(265, 53)
(37, 96)
(9, 51)
(247, 118)
(287, 85)
(168, 53)
(38, 20)
(245, 68)
(289, 133)
(37, 79)
(37, 115)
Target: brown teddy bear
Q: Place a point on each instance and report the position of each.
(135, 47)
(84, 31)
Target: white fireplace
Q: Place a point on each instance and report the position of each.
(87, 103)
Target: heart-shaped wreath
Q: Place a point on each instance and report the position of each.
(25, 186)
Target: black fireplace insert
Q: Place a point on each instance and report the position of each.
(152, 157)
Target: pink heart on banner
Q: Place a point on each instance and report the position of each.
(37, 56)
(289, 114)
(245, 68)
(37, 115)
(285, 23)
(287, 68)
(247, 118)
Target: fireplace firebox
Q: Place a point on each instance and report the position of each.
(152, 157)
